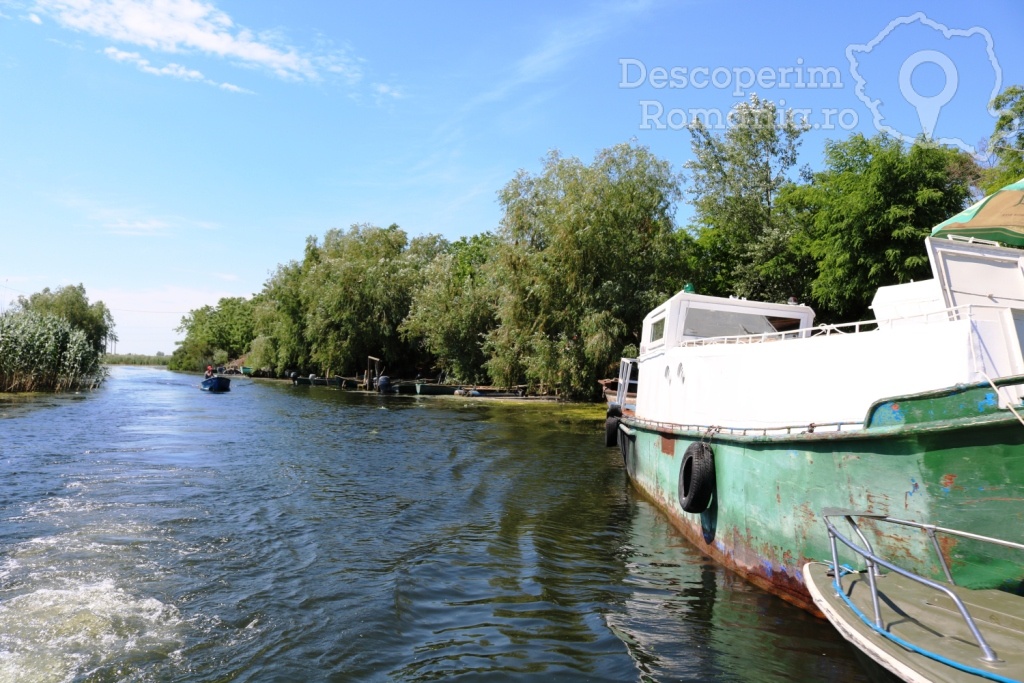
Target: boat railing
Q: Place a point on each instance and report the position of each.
(628, 371)
(967, 311)
(781, 430)
(873, 561)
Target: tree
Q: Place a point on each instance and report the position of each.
(214, 335)
(870, 211)
(735, 181)
(280, 344)
(1007, 141)
(453, 310)
(584, 253)
(71, 304)
(358, 290)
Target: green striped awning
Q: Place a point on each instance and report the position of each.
(998, 217)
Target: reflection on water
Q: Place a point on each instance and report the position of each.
(154, 532)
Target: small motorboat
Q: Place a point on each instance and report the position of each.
(216, 384)
(921, 629)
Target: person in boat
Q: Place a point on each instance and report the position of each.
(209, 372)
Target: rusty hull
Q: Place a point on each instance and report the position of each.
(963, 471)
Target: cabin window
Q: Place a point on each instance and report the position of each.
(701, 324)
(657, 330)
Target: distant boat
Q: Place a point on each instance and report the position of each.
(216, 384)
(341, 382)
(426, 389)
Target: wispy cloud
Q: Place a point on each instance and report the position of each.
(171, 69)
(116, 217)
(560, 46)
(193, 26)
(385, 94)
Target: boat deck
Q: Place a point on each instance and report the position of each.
(926, 619)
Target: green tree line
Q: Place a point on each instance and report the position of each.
(557, 293)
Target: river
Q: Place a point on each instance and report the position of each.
(153, 532)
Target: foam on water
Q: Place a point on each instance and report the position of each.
(60, 634)
(73, 603)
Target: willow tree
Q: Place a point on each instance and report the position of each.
(585, 251)
(280, 344)
(734, 182)
(357, 290)
(454, 309)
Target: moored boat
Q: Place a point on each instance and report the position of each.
(432, 389)
(216, 384)
(749, 419)
(920, 629)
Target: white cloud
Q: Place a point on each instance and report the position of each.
(180, 26)
(173, 70)
(385, 92)
(35, 19)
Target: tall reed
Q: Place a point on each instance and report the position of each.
(45, 353)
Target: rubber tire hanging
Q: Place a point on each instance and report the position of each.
(697, 478)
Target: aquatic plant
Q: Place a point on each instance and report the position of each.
(41, 352)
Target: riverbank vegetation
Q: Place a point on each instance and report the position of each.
(135, 359)
(53, 341)
(557, 293)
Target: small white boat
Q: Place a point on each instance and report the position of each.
(920, 629)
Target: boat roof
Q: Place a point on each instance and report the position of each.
(733, 304)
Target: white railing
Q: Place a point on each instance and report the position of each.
(945, 314)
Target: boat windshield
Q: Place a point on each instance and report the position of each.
(703, 323)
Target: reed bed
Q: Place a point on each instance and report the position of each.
(45, 353)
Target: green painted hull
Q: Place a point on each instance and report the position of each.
(950, 458)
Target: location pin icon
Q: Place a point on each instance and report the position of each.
(928, 108)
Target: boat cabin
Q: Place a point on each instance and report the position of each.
(710, 360)
(687, 318)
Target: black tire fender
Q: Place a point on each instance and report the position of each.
(697, 478)
(611, 431)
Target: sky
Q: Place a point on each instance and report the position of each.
(168, 153)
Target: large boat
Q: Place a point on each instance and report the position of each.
(749, 419)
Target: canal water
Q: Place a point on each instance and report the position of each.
(153, 532)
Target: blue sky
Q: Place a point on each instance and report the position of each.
(167, 153)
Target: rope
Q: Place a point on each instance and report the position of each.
(1008, 401)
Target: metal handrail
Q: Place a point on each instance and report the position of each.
(952, 313)
(873, 561)
(626, 366)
